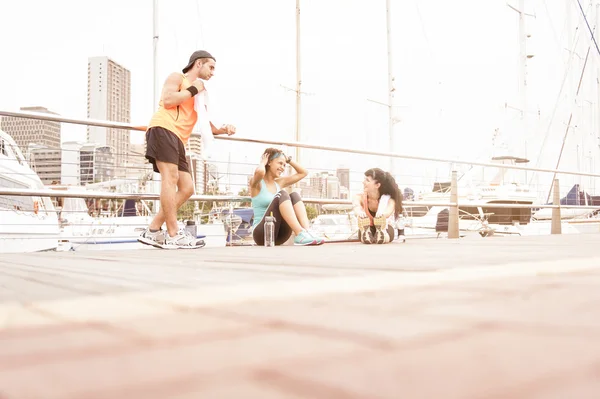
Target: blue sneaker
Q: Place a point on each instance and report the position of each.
(304, 238)
(318, 240)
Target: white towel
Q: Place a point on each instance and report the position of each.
(201, 104)
(383, 203)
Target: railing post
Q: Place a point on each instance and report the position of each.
(556, 227)
(453, 211)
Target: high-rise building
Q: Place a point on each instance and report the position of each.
(198, 172)
(315, 186)
(211, 178)
(344, 192)
(343, 174)
(332, 187)
(46, 162)
(193, 151)
(85, 163)
(137, 167)
(32, 131)
(71, 166)
(109, 98)
(194, 145)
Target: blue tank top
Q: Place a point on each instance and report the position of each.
(261, 202)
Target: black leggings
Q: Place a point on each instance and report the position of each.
(282, 230)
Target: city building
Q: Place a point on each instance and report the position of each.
(109, 98)
(32, 131)
(46, 162)
(332, 186)
(86, 163)
(343, 175)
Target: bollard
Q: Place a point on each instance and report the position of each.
(556, 227)
(453, 211)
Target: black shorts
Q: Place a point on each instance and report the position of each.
(164, 145)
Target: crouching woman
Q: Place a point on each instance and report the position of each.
(377, 207)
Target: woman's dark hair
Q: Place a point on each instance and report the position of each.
(273, 153)
(387, 186)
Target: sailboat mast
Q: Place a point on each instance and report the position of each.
(155, 176)
(155, 54)
(522, 62)
(595, 112)
(298, 79)
(597, 35)
(390, 84)
(521, 150)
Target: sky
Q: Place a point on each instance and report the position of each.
(454, 62)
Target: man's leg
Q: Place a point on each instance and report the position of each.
(169, 177)
(185, 189)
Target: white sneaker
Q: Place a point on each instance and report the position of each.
(156, 239)
(182, 240)
(364, 231)
(381, 234)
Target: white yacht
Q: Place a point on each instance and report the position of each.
(27, 224)
(82, 231)
(503, 188)
(336, 227)
(117, 230)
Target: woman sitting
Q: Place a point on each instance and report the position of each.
(377, 207)
(269, 198)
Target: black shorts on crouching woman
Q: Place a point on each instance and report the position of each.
(282, 230)
(165, 146)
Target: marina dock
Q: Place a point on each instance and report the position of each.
(502, 317)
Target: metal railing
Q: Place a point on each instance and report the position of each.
(128, 126)
(453, 204)
(237, 198)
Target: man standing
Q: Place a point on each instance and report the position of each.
(168, 132)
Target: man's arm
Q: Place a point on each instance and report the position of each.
(225, 129)
(171, 96)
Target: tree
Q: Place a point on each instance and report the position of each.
(311, 212)
(186, 212)
(244, 193)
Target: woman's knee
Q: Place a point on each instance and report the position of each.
(295, 198)
(283, 196)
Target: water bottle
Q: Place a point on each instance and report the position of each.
(190, 227)
(269, 231)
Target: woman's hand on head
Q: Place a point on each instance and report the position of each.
(264, 159)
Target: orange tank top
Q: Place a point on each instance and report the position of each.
(180, 119)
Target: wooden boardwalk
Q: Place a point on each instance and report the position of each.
(501, 317)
